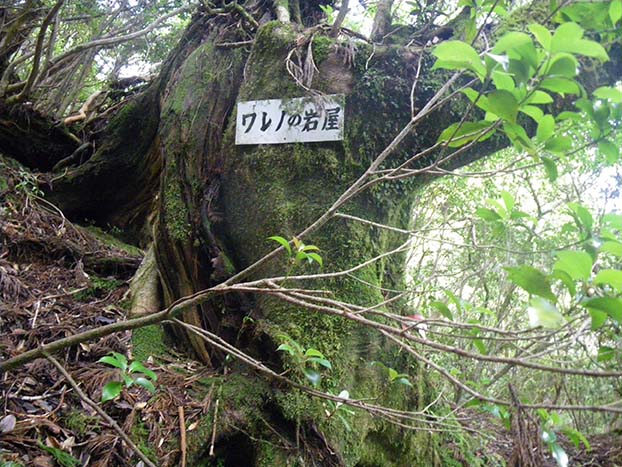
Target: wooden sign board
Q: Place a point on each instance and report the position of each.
(298, 120)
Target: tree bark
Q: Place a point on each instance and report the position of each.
(382, 20)
(218, 203)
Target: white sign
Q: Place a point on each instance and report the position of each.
(298, 120)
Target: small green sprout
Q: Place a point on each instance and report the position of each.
(134, 373)
(300, 252)
(305, 359)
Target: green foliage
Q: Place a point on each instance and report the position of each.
(79, 422)
(520, 252)
(552, 424)
(339, 409)
(6, 463)
(394, 376)
(99, 288)
(63, 458)
(134, 373)
(520, 76)
(300, 252)
(304, 360)
(28, 184)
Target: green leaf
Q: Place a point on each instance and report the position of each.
(404, 381)
(116, 360)
(561, 85)
(520, 71)
(312, 375)
(559, 144)
(543, 313)
(457, 301)
(568, 38)
(127, 380)
(346, 425)
(480, 346)
(582, 216)
(566, 34)
(611, 306)
(576, 437)
(108, 360)
(589, 49)
(546, 128)
(315, 257)
(566, 280)
(519, 215)
(533, 111)
(321, 361)
(563, 64)
(532, 281)
(503, 80)
(613, 220)
(283, 242)
(111, 391)
(311, 352)
(605, 353)
(301, 256)
(542, 35)
(518, 136)
(487, 214)
(443, 309)
(539, 97)
(614, 248)
(62, 458)
(550, 167)
(137, 367)
(609, 93)
(615, 11)
(593, 15)
(465, 133)
(457, 55)
(611, 277)
(517, 45)
(559, 455)
(609, 150)
(306, 248)
(503, 104)
(577, 264)
(145, 383)
(508, 200)
(286, 348)
(598, 319)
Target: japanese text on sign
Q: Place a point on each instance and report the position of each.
(299, 120)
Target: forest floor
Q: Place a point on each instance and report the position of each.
(57, 279)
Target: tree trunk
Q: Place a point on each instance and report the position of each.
(218, 203)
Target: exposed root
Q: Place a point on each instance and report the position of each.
(144, 287)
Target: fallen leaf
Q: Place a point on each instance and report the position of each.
(42, 461)
(7, 424)
(68, 444)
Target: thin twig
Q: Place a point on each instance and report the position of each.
(182, 431)
(211, 447)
